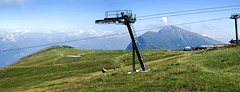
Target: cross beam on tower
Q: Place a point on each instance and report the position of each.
(124, 17)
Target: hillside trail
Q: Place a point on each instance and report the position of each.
(86, 53)
(137, 65)
(90, 75)
(75, 79)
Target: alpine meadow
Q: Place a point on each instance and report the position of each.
(171, 70)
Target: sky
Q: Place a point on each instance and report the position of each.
(70, 15)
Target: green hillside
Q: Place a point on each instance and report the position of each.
(171, 70)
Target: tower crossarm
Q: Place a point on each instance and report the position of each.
(117, 17)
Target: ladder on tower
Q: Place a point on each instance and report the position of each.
(139, 45)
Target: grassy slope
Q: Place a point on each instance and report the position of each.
(213, 70)
(216, 70)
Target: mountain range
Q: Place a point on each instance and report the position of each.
(172, 37)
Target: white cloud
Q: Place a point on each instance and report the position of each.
(90, 33)
(49, 32)
(13, 2)
(22, 31)
(27, 31)
(78, 32)
(206, 35)
(11, 37)
(164, 19)
(18, 30)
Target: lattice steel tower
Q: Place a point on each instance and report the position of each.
(124, 17)
(235, 17)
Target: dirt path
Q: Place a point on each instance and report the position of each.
(86, 53)
(130, 66)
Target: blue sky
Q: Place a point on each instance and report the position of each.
(69, 15)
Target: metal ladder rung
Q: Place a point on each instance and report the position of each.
(138, 44)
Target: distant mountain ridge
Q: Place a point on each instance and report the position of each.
(172, 37)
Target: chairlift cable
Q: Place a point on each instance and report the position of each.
(181, 14)
(89, 38)
(201, 9)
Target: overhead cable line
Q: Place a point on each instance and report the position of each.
(189, 11)
(184, 23)
(180, 14)
(89, 38)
